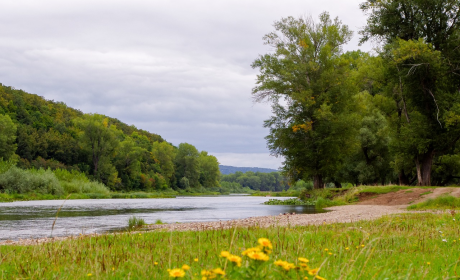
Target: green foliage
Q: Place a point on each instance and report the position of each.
(187, 163)
(289, 201)
(440, 202)
(301, 185)
(124, 158)
(406, 246)
(135, 223)
(7, 137)
(5, 165)
(20, 181)
(314, 131)
(256, 181)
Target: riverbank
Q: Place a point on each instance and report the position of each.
(337, 214)
(401, 246)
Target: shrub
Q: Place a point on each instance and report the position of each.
(16, 180)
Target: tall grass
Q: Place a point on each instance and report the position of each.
(410, 246)
(135, 222)
(440, 202)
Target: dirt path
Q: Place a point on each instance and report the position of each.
(406, 197)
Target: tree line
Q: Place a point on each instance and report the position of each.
(390, 116)
(38, 133)
(256, 181)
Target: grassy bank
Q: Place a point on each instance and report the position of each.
(4, 197)
(441, 202)
(327, 197)
(410, 246)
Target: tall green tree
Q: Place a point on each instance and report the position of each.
(164, 153)
(209, 170)
(420, 39)
(7, 137)
(187, 164)
(305, 80)
(100, 139)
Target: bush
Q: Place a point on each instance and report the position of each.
(76, 182)
(20, 181)
(5, 165)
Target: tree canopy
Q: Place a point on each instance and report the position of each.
(391, 116)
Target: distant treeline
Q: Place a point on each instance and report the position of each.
(256, 181)
(225, 169)
(38, 133)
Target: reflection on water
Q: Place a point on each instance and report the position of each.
(33, 219)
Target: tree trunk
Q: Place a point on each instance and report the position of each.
(318, 182)
(337, 184)
(424, 164)
(403, 180)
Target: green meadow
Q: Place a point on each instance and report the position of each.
(407, 246)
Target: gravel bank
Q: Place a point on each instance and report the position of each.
(338, 214)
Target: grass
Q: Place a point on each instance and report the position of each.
(289, 201)
(333, 197)
(440, 202)
(409, 246)
(135, 223)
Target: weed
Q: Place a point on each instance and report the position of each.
(135, 222)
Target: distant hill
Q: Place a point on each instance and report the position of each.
(225, 169)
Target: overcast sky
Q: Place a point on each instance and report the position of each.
(178, 68)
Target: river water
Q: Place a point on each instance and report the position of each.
(34, 219)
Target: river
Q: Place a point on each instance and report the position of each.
(34, 219)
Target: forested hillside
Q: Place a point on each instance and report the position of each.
(38, 133)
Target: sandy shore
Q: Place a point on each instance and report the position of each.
(338, 214)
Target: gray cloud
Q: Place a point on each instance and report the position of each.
(177, 68)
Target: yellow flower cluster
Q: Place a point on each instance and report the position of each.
(232, 258)
(212, 274)
(260, 254)
(285, 265)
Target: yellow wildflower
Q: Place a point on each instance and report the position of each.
(319, 277)
(313, 271)
(196, 259)
(176, 273)
(330, 253)
(428, 263)
(258, 256)
(89, 274)
(155, 263)
(362, 245)
(247, 251)
(185, 267)
(224, 254)
(285, 265)
(264, 242)
(347, 248)
(218, 271)
(304, 260)
(235, 259)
